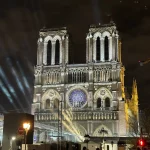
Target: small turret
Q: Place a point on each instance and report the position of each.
(134, 100)
(134, 89)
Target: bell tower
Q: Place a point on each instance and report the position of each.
(52, 56)
(52, 47)
(102, 44)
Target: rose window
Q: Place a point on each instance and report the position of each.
(77, 98)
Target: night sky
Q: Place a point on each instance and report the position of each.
(21, 20)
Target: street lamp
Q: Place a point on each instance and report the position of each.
(87, 139)
(11, 142)
(26, 127)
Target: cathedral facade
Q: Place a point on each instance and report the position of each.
(82, 98)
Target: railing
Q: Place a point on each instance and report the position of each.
(100, 115)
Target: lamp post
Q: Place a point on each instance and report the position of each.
(26, 127)
(87, 139)
(11, 142)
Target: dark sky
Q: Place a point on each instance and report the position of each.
(21, 20)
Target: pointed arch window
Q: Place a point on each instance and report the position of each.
(47, 104)
(106, 48)
(49, 49)
(98, 102)
(107, 147)
(107, 102)
(56, 103)
(57, 52)
(98, 49)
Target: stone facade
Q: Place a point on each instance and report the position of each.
(91, 95)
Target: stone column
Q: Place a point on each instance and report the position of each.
(88, 127)
(112, 74)
(87, 50)
(53, 53)
(110, 48)
(102, 50)
(63, 51)
(91, 131)
(66, 49)
(38, 53)
(117, 46)
(60, 52)
(113, 47)
(45, 54)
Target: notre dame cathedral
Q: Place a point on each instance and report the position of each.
(83, 98)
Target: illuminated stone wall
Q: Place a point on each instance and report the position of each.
(92, 94)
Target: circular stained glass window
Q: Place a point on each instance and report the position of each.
(77, 98)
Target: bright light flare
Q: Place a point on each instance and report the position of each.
(13, 138)
(26, 126)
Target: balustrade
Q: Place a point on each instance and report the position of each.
(109, 115)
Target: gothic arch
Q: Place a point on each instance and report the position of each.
(47, 103)
(107, 102)
(98, 48)
(47, 38)
(97, 34)
(60, 53)
(100, 134)
(57, 52)
(106, 33)
(102, 93)
(57, 37)
(49, 52)
(106, 48)
(52, 95)
(99, 102)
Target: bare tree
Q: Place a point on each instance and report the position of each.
(133, 124)
(145, 122)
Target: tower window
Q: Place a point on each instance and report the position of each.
(106, 48)
(107, 147)
(98, 102)
(57, 52)
(107, 102)
(47, 104)
(98, 49)
(49, 49)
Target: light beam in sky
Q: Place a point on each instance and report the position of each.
(9, 87)
(24, 77)
(18, 81)
(4, 89)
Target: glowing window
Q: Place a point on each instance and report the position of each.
(77, 98)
